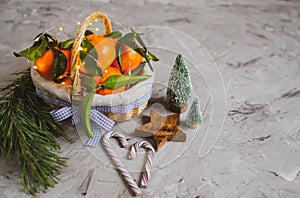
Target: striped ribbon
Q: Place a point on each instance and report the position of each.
(99, 120)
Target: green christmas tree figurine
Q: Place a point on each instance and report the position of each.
(179, 89)
(194, 116)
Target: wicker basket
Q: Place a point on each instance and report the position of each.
(129, 103)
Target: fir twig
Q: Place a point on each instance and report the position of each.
(28, 132)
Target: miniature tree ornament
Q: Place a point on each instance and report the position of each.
(194, 116)
(179, 89)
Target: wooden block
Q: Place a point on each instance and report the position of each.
(143, 132)
(161, 129)
(179, 137)
(178, 109)
(159, 142)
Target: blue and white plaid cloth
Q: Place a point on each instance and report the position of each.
(100, 121)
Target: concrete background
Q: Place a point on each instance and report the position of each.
(256, 47)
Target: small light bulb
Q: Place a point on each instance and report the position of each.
(78, 23)
(60, 28)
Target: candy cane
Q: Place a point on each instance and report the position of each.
(148, 165)
(117, 162)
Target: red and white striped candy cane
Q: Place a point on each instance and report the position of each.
(117, 162)
(148, 165)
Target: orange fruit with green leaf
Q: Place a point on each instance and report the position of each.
(45, 63)
(130, 59)
(109, 71)
(105, 48)
(115, 61)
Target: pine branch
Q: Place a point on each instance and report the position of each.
(28, 132)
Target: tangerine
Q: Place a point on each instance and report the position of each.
(66, 81)
(105, 48)
(106, 91)
(67, 53)
(130, 59)
(109, 71)
(44, 63)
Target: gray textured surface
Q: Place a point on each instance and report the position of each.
(256, 46)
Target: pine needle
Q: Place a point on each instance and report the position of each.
(28, 132)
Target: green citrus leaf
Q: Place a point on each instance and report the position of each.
(88, 32)
(38, 36)
(152, 56)
(115, 34)
(119, 55)
(117, 81)
(35, 51)
(128, 37)
(54, 41)
(67, 44)
(84, 113)
(145, 55)
(129, 40)
(89, 83)
(139, 39)
(149, 55)
(59, 64)
(137, 70)
(86, 48)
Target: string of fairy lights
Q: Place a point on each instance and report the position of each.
(94, 29)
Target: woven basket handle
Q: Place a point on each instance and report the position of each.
(78, 39)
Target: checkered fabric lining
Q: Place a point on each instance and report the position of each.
(92, 142)
(51, 99)
(61, 114)
(108, 109)
(125, 108)
(99, 119)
